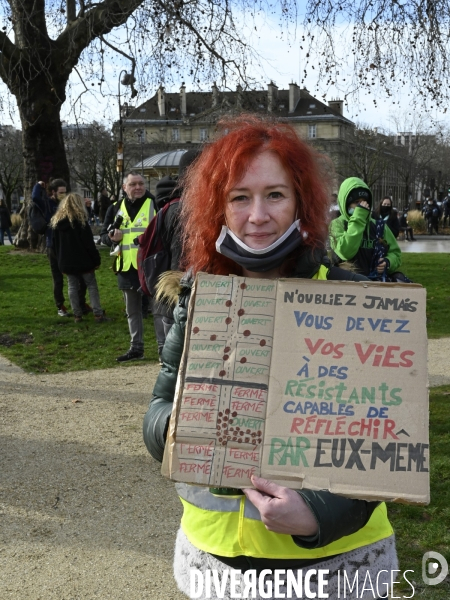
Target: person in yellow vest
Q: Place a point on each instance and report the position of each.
(137, 209)
(256, 204)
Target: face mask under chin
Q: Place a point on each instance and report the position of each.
(264, 259)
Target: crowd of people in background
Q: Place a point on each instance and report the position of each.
(361, 233)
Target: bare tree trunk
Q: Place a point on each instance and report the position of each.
(43, 151)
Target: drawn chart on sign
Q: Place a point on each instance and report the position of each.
(224, 398)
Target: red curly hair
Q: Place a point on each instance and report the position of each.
(224, 162)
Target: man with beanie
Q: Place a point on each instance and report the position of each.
(354, 237)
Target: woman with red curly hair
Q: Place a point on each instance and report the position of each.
(255, 204)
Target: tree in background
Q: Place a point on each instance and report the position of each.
(367, 155)
(91, 153)
(385, 45)
(11, 162)
(43, 43)
(415, 151)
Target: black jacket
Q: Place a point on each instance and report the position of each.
(393, 223)
(75, 248)
(168, 189)
(5, 218)
(48, 206)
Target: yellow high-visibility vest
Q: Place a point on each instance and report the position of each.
(131, 230)
(232, 526)
(321, 273)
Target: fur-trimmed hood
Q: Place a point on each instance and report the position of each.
(169, 286)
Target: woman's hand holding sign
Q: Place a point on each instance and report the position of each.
(282, 510)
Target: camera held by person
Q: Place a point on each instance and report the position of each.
(111, 231)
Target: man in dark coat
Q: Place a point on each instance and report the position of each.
(5, 223)
(103, 204)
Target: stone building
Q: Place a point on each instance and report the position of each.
(170, 121)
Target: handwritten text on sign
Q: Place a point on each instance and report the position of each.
(309, 383)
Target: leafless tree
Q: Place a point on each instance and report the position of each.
(388, 44)
(43, 43)
(91, 153)
(433, 166)
(11, 162)
(416, 150)
(367, 155)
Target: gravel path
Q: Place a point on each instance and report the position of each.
(84, 511)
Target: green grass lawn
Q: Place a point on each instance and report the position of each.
(433, 272)
(423, 528)
(35, 338)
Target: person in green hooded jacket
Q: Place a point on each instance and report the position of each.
(354, 235)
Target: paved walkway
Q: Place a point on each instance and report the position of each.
(423, 243)
(85, 512)
(427, 243)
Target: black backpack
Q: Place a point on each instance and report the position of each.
(38, 222)
(153, 257)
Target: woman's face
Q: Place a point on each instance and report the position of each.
(386, 202)
(262, 205)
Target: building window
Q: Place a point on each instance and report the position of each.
(203, 134)
(141, 135)
(175, 135)
(312, 131)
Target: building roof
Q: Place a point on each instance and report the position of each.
(208, 106)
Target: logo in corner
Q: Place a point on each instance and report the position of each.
(434, 568)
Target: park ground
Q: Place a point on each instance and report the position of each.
(84, 510)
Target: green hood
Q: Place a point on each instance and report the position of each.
(346, 187)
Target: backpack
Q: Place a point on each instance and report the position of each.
(38, 223)
(153, 257)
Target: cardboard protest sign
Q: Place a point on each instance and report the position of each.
(315, 384)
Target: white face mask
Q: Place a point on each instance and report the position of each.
(263, 259)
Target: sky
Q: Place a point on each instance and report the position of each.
(286, 62)
(283, 62)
